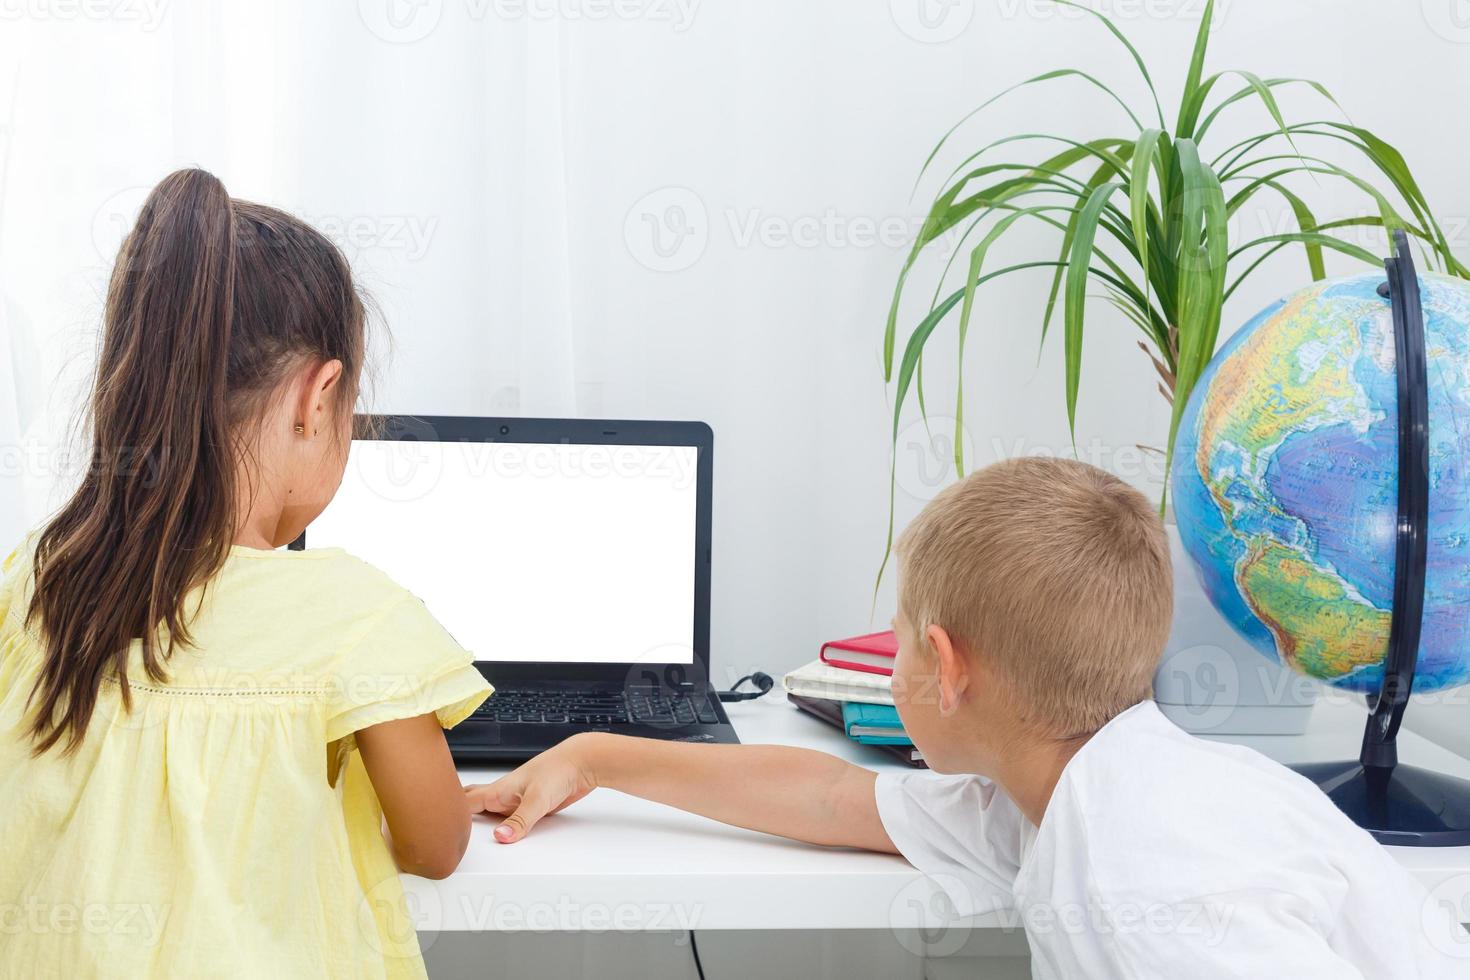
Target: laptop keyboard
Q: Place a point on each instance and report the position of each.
(637, 707)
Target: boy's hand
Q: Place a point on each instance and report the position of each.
(800, 794)
(553, 780)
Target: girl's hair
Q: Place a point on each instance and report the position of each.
(211, 303)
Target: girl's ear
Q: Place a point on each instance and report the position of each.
(953, 669)
(318, 394)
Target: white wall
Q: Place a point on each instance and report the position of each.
(808, 118)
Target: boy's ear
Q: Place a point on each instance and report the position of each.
(953, 669)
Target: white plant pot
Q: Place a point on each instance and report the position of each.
(1211, 681)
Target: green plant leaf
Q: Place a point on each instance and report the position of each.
(1306, 222)
(1204, 253)
(1388, 214)
(977, 262)
(912, 352)
(1392, 163)
(919, 392)
(1073, 315)
(1109, 169)
(1189, 106)
(1326, 241)
(1279, 242)
(1263, 91)
(949, 209)
(1145, 155)
(1105, 150)
(979, 221)
(1250, 90)
(1123, 39)
(1036, 79)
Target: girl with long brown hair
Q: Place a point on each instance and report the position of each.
(201, 735)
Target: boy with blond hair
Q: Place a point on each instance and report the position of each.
(1034, 604)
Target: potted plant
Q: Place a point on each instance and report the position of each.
(1145, 215)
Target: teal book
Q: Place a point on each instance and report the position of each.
(874, 724)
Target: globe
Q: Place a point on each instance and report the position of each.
(1285, 482)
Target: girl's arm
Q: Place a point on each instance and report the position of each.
(796, 793)
(414, 777)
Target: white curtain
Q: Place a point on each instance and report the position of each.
(431, 150)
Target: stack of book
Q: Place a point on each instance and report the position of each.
(850, 685)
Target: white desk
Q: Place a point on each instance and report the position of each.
(615, 863)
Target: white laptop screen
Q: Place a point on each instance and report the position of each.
(530, 552)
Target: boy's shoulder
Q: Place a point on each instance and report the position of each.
(1232, 816)
(1218, 848)
(1144, 769)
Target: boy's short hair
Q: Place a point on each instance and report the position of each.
(1057, 573)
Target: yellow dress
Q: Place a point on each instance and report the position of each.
(225, 826)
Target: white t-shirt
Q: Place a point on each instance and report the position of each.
(1164, 855)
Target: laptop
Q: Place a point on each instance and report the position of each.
(571, 557)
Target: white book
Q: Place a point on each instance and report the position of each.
(821, 680)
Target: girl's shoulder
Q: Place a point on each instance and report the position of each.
(330, 581)
(385, 655)
(320, 602)
(286, 621)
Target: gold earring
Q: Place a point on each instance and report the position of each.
(298, 429)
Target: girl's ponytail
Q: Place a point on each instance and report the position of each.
(193, 321)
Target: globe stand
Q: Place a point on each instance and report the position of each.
(1397, 804)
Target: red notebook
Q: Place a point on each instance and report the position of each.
(872, 652)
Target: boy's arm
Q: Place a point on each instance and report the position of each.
(796, 793)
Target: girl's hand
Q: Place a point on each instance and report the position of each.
(553, 780)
